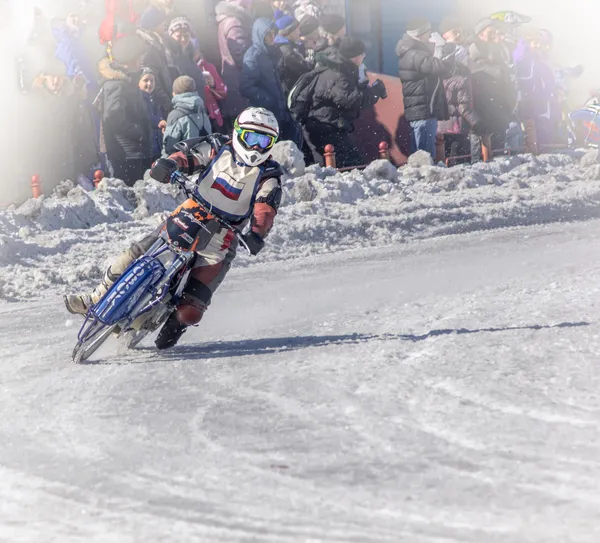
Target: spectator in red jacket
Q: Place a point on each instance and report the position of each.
(119, 13)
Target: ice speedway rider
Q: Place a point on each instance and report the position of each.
(240, 183)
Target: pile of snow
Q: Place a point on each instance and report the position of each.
(63, 241)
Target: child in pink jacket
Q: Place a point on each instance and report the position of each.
(215, 89)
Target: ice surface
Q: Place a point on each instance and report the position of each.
(436, 391)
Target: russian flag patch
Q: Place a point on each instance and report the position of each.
(228, 187)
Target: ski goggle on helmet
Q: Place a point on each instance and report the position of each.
(250, 138)
(255, 133)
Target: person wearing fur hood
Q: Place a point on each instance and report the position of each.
(126, 127)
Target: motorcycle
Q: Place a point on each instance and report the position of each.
(151, 287)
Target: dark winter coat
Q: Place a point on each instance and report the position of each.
(259, 80)
(235, 38)
(291, 63)
(537, 85)
(337, 98)
(422, 77)
(156, 114)
(461, 112)
(183, 60)
(156, 59)
(125, 121)
(493, 92)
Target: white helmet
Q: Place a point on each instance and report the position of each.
(254, 133)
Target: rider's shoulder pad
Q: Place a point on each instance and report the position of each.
(272, 169)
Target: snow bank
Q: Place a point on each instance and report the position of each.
(63, 241)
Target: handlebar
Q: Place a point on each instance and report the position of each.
(180, 179)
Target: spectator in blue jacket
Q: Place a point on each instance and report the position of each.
(71, 52)
(260, 82)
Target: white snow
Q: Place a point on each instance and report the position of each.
(63, 241)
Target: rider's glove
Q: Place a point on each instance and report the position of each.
(163, 169)
(254, 242)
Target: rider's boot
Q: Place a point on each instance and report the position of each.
(170, 333)
(79, 304)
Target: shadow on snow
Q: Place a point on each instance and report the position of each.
(255, 347)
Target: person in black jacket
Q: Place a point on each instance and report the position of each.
(493, 91)
(463, 121)
(336, 102)
(179, 46)
(292, 63)
(126, 126)
(422, 77)
(152, 31)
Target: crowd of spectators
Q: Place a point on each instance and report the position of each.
(167, 74)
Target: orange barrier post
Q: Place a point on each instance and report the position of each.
(440, 148)
(486, 148)
(329, 156)
(98, 176)
(36, 186)
(384, 151)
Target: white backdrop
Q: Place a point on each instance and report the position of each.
(574, 24)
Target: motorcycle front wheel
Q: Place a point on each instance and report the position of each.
(86, 348)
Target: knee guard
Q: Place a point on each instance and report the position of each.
(195, 302)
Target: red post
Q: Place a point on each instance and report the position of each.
(98, 176)
(36, 186)
(329, 156)
(486, 149)
(440, 148)
(384, 151)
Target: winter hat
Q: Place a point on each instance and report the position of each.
(184, 84)
(351, 47)
(151, 18)
(485, 23)
(286, 25)
(448, 24)
(332, 23)
(128, 49)
(147, 71)
(308, 24)
(418, 27)
(179, 23)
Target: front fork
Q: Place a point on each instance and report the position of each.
(159, 292)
